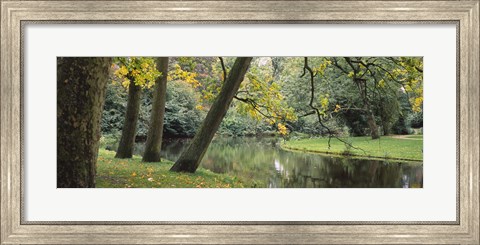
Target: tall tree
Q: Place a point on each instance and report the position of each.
(191, 158)
(129, 130)
(81, 84)
(136, 73)
(155, 132)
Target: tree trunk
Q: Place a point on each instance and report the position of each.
(386, 128)
(362, 87)
(373, 125)
(81, 85)
(155, 132)
(129, 130)
(191, 158)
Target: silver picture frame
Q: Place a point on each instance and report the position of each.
(16, 14)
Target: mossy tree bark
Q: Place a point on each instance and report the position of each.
(129, 130)
(81, 85)
(191, 158)
(155, 131)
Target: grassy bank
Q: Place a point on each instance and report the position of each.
(133, 173)
(387, 147)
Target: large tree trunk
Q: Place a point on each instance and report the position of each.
(155, 132)
(81, 85)
(191, 158)
(129, 130)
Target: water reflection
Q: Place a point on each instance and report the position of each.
(260, 160)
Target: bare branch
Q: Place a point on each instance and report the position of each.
(319, 115)
(335, 63)
(223, 68)
(257, 107)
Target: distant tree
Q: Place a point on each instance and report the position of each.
(80, 96)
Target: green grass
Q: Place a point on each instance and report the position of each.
(387, 147)
(414, 136)
(133, 173)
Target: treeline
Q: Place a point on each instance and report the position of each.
(190, 78)
(151, 98)
(181, 115)
(190, 92)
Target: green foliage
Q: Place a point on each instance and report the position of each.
(237, 124)
(262, 95)
(182, 116)
(107, 141)
(114, 109)
(416, 120)
(401, 126)
(275, 93)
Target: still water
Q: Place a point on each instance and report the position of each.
(264, 163)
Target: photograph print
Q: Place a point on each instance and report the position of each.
(239, 122)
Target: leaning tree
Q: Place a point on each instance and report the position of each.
(192, 156)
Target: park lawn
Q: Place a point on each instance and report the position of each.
(386, 147)
(133, 173)
(414, 136)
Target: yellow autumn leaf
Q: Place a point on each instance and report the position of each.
(282, 129)
(337, 108)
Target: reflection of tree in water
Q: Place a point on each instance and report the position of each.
(172, 148)
(328, 172)
(260, 159)
(413, 177)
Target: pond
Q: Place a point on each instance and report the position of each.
(263, 162)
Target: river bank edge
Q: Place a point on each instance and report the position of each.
(284, 147)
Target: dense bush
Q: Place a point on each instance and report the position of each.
(402, 126)
(416, 120)
(181, 115)
(236, 124)
(114, 109)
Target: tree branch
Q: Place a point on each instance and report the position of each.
(223, 68)
(319, 115)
